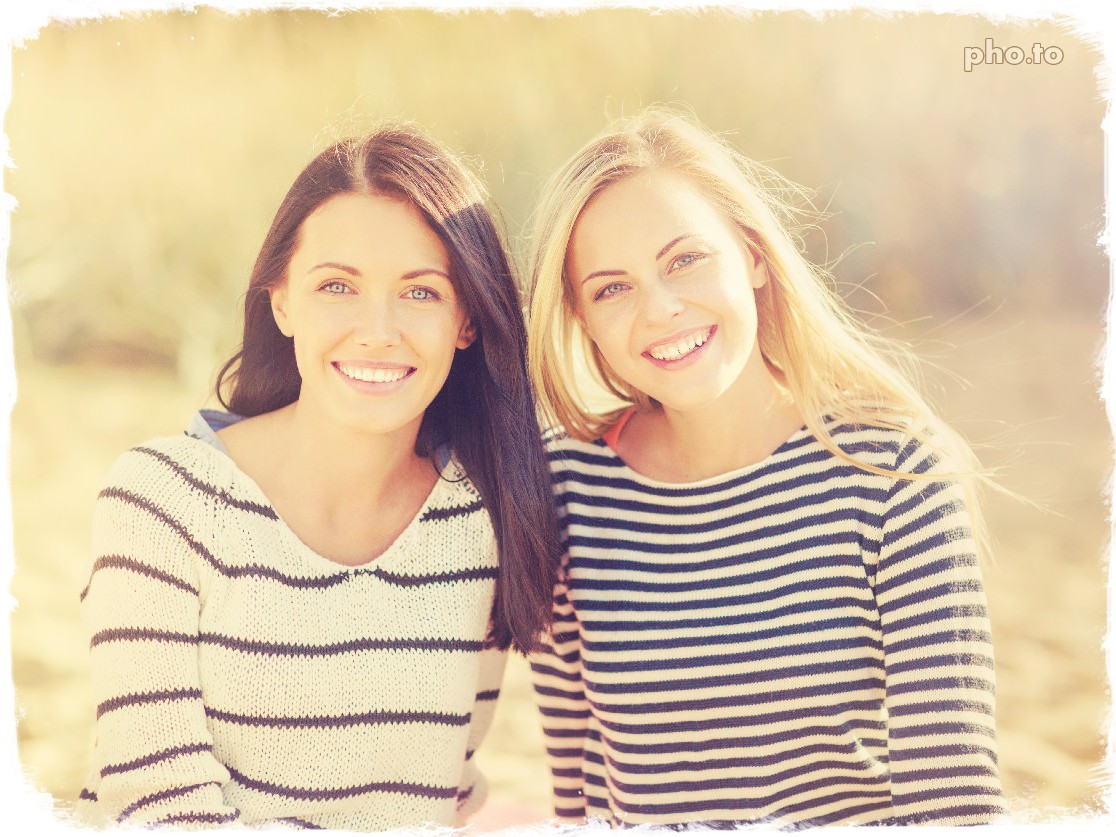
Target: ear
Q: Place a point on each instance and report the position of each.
(759, 275)
(759, 267)
(467, 335)
(279, 308)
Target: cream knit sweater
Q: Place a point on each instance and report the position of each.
(242, 678)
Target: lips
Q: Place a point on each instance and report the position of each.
(374, 373)
(677, 347)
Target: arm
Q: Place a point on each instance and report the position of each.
(560, 695)
(154, 753)
(937, 655)
(473, 789)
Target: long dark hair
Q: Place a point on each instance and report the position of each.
(486, 410)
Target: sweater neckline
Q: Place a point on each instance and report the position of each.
(399, 546)
(793, 441)
(448, 477)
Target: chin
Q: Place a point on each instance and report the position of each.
(684, 405)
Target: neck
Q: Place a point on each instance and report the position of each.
(740, 428)
(340, 466)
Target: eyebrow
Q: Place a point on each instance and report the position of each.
(666, 249)
(599, 273)
(352, 271)
(423, 271)
(344, 268)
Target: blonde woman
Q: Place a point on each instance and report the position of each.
(770, 609)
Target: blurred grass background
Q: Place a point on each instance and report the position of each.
(151, 152)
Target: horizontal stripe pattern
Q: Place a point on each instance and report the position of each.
(799, 641)
(449, 512)
(251, 571)
(226, 498)
(303, 824)
(288, 649)
(158, 796)
(242, 678)
(335, 793)
(351, 719)
(122, 562)
(472, 574)
(152, 758)
(160, 696)
(194, 818)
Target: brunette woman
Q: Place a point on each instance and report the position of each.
(299, 610)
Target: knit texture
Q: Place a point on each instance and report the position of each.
(798, 641)
(242, 678)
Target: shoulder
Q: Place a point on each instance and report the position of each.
(564, 452)
(167, 459)
(174, 473)
(455, 506)
(923, 470)
(906, 448)
(151, 504)
(459, 490)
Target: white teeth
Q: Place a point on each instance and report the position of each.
(375, 375)
(677, 351)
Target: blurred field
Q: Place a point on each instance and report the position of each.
(151, 151)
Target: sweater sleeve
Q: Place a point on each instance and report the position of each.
(560, 695)
(153, 759)
(473, 789)
(937, 654)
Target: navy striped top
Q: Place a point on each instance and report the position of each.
(240, 677)
(797, 641)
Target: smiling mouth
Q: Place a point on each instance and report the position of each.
(375, 374)
(680, 348)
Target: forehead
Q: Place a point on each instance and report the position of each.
(643, 207)
(370, 226)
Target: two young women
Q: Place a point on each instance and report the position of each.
(768, 603)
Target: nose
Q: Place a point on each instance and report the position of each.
(659, 301)
(376, 322)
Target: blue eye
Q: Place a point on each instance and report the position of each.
(685, 260)
(335, 286)
(609, 291)
(422, 294)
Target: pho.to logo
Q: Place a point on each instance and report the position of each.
(992, 54)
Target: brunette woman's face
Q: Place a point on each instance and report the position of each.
(665, 287)
(373, 314)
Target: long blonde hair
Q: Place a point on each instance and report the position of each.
(834, 368)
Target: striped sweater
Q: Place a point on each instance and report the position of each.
(798, 641)
(241, 677)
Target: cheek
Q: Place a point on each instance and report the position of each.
(310, 319)
(734, 292)
(594, 326)
(437, 332)
(610, 334)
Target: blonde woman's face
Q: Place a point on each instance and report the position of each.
(665, 287)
